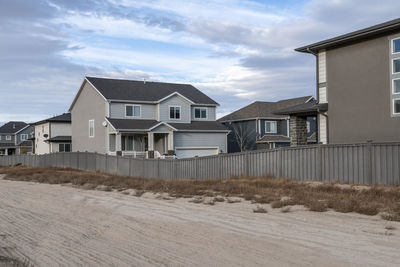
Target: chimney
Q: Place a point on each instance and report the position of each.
(144, 80)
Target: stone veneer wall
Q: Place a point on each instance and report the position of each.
(298, 131)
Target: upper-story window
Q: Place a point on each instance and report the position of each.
(270, 127)
(175, 112)
(24, 137)
(396, 86)
(8, 137)
(200, 113)
(396, 106)
(132, 110)
(308, 126)
(396, 65)
(396, 46)
(91, 128)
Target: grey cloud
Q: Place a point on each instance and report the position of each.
(278, 61)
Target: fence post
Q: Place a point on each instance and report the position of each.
(368, 163)
(280, 163)
(319, 163)
(196, 171)
(247, 164)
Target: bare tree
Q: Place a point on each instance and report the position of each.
(244, 136)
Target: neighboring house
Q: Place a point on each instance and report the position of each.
(14, 138)
(140, 118)
(358, 74)
(257, 127)
(53, 135)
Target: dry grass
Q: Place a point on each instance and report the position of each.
(278, 192)
(260, 209)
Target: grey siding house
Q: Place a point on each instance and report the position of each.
(358, 75)
(53, 134)
(145, 119)
(256, 126)
(15, 138)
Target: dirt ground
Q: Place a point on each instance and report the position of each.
(54, 225)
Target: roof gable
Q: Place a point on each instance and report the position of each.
(12, 127)
(261, 109)
(140, 91)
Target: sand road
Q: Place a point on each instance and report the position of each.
(55, 225)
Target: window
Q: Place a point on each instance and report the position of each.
(270, 127)
(200, 113)
(8, 137)
(396, 65)
(396, 106)
(175, 113)
(91, 128)
(396, 46)
(24, 137)
(396, 86)
(308, 127)
(64, 147)
(132, 111)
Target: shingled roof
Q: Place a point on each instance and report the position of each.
(117, 89)
(65, 117)
(261, 109)
(12, 127)
(146, 125)
(352, 37)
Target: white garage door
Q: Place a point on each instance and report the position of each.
(193, 152)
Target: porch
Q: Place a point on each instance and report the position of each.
(142, 144)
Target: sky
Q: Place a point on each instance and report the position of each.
(236, 52)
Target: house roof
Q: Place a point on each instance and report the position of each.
(12, 127)
(65, 117)
(308, 108)
(25, 143)
(261, 109)
(129, 90)
(59, 139)
(146, 125)
(274, 138)
(356, 36)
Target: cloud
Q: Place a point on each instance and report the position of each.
(235, 51)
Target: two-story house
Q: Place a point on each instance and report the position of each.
(53, 135)
(141, 118)
(14, 138)
(358, 74)
(256, 126)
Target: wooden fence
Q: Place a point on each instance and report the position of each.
(369, 163)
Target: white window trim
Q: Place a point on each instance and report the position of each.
(276, 127)
(393, 59)
(393, 100)
(133, 111)
(8, 138)
(93, 128)
(393, 87)
(206, 118)
(169, 112)
(64, 147)
(392, 46)
(26, 137)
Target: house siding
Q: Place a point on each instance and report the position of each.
(175, 101)
(359, 93)
(148, 111)
(281, 128)
(89, 105)
(29, 130)
(41, 146)
(185, 139)
(60, 129)
(250, 127)
(211, 113)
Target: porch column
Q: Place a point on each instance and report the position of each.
(6, 152)
(150, 144)
(118, 147)
(171, 143)
(298, 131)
